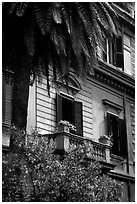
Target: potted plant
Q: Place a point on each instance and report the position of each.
(105, 140)
(63, 126)
(72, 128)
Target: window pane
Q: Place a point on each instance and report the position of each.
(78, 118)
(123, 137)
(112, 124)
(127, 62)
(119, 60)
(68, 110)
(119, 44)
(126, 40)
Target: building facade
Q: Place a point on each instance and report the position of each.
(102, 106)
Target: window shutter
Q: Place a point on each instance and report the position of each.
(7, 100)
(108, 124)
(119, 53)
(123, 138)
(58, 108)
(78, 117)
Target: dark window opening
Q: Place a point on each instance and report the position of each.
(117, 133)
(70, 111)
(119, 53)
(67, 110)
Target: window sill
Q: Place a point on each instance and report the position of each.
(114, 67)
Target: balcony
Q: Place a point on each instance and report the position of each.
(99, 151)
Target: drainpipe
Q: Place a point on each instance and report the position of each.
(127, 163)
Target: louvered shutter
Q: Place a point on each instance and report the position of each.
(7, 100)
(113, 126)
(58, 108)
(119, 53)
(123, 138)
(78, 116)
(108, 124)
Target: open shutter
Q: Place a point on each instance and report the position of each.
(119, 53)
(78, 117)
(123, 138)
(108, 124)
(6, 100)
(58, 108)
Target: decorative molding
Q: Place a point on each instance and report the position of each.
(112, 104)
(115, 78)
(125, 17)
(73, 83)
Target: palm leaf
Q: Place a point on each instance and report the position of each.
(40, 13)
(30, 36)
(84, 15)
(20, 8)
(65, 15)
(109, 18)
(57, 13)
(11, 7)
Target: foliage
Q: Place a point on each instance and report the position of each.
(66, 123)
(59, 34)
(50, 39)
(33, 172)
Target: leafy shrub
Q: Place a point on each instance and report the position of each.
(33, 172)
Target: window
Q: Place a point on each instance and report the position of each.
(116, 128)
(7, 89)
(112, 52)
(71, 111)
(127, 54)
(117, 52)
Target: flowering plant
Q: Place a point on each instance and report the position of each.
(71, 126)
(105, 137)
(33, 173)
(63, 122)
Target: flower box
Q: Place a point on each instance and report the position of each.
(65, 126)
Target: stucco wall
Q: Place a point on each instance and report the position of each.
(100, 92)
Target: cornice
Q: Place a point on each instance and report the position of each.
(112, 104)
(115, 78)
(125, 17)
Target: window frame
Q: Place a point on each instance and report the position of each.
(59, 114)
(122, 150)
(128, 49)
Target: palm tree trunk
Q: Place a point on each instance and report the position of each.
(20, 95)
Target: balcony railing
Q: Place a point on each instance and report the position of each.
(100, 151)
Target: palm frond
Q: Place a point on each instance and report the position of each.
(11, 7)
(30, 36)
(20, 8)
(57, 13)
(65, 15)
(108, 17)
(66, 34)
(40, 13)
(84, 15)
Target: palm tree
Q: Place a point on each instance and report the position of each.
(62, 35)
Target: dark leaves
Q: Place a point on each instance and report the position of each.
(36, 174)
(70, 30)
